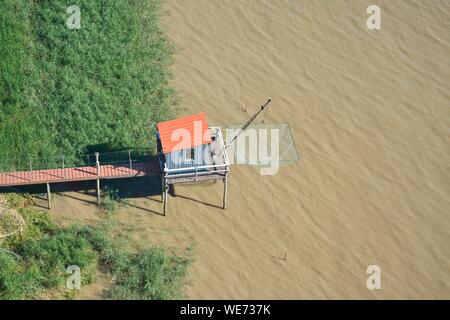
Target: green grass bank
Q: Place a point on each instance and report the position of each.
(63, 91)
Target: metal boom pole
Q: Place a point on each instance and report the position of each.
(249, 122)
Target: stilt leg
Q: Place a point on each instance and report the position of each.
(166, 189)
(97, 163)
(162, 189)
(98, 191)
(49, 196)
(225, 186)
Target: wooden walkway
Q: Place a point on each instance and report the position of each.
(107, 171)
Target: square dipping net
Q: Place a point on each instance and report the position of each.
(260, 144)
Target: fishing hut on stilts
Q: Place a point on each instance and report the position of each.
(189, 151)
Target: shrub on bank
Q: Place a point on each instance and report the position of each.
(35, 264)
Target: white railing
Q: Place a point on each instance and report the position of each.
(195, 168)
(200, 170)
(222, 144)
(197, 173)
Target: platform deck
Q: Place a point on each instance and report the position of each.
(107, 171)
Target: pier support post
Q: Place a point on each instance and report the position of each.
(162, 188)
(98, 191)
(63, 171)
(166, 195)
(30, 174)
(129, 158)
(97, 162)
(49, 196)
(225, 187)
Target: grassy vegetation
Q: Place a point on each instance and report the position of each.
(35, 266)
(110, 201)
(70, 92)
(150, 274)
(16, 280)
(63, 91)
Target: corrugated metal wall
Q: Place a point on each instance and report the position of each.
(176, 160)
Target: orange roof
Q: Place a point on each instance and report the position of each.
(183, 133)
